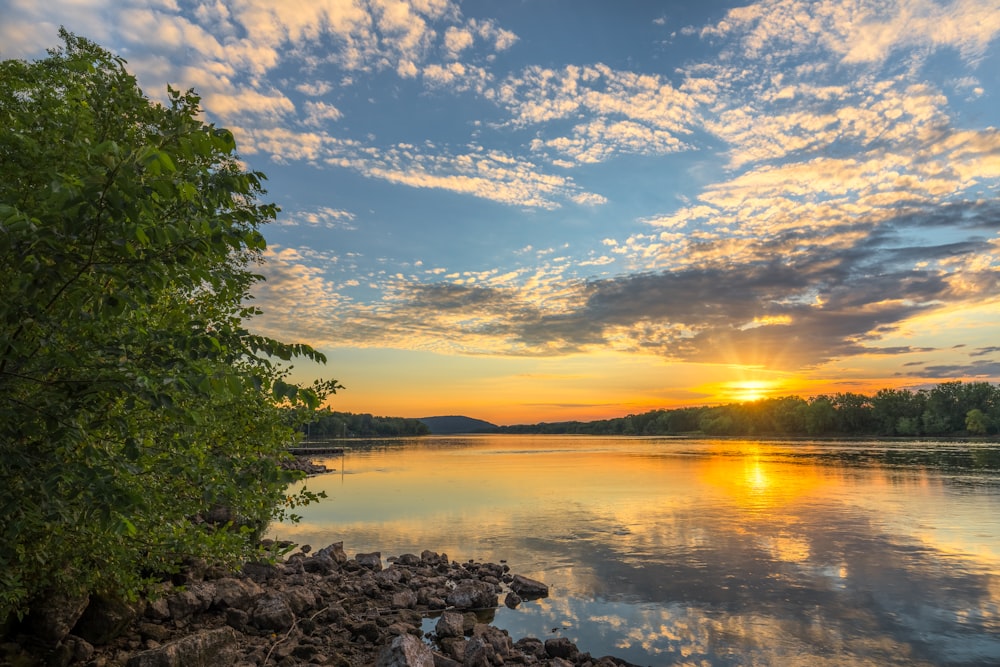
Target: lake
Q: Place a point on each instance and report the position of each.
(698, 552)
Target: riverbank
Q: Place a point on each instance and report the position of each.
(320, 608)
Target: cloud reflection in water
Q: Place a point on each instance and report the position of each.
(700, 553)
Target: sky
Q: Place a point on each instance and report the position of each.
(546, 210)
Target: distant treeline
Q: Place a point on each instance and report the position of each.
(329, 424)
(950, 409)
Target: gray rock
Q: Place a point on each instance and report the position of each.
(52, 618)
(561, 647)
(450, 624)
(472, 595)
(405, 651)
(334, 551)
(272, 612)
(321, 563)
(480, 653)
(512, 599)
(300, 599)
(234, 593)
(404, 599)
(531, 646)
(104, 619)
(208, 648)
(372, 561)
(497, 638)
(528, 588)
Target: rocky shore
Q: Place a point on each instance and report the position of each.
(313, 608)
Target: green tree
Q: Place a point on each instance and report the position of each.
(976, 422)
(133, 400)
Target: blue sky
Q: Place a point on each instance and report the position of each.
(550, 209)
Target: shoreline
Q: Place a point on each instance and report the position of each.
(312, 608)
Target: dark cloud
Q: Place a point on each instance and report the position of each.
(807, 301)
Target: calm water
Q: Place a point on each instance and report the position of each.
(699, 552)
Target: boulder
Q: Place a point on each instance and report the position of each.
(372, 561)
(472, 595)
(231, 592)
(450, 624)
(272, 612)
(561, 647)
(104, 619)
(53, 617)
(512, 599)
(208, 648)
(405, 651)
(528, 589)
(334, 551)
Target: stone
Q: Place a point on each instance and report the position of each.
(450, 624)
(480, 653)
(512, 599)
(405, 651)
(472, 595)
(531, 646)
(334, 551)
(497, 638)
(372, 561)
(405, 599)
(301, 599)
(231, 592)
(104, 619)
(561, 647)
(272, 612)
(52, 618)
(208, 648)
(528, 588)
(321, 563)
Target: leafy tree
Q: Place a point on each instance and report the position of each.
(133, 402)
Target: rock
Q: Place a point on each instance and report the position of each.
(208, 648)
(561, 647)
(301, 599)
(472, 595)
(321, 563)
(528, 589)
(497, 638)
(372, 561)
(480, 653)
(52, 618)
(405, 599)
(531, 646)
(512, 599)
(231, 592)
(272, 612)
(104, 619)
(450, 624)
(183, 604)
(405, 651)
(334, 551)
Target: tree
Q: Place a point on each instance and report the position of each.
(134, 403)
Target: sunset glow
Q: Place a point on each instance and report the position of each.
(549, 211)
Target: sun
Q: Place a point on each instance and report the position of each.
(748, 391)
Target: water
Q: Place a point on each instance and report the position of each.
(699, 552)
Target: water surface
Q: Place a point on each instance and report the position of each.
(699, 552)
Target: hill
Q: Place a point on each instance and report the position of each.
(452, 424)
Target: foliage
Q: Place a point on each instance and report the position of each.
(329, 424)
(133, 402)
(949, 409)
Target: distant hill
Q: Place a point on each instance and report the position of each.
(452, 424)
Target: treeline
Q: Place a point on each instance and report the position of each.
(329, 424)
(949, 409)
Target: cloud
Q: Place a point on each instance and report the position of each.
(763, 306)
(860, 32)
(626, 112)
